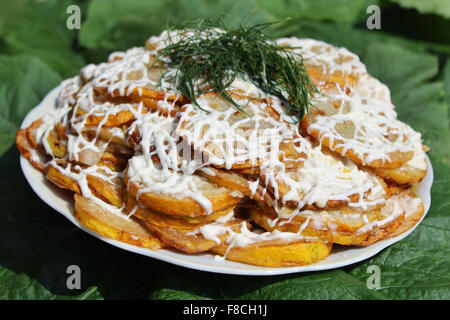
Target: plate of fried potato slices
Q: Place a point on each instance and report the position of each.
(225, 151)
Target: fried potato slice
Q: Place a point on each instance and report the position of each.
(402, 213)
(107, 191)
(175, 193)
(220, 198)
(337, 225)
(326, 63)
(188, 241)
(412, 216)
(28, 151)
(152, 100)
(30, 134)
(57, 141)
(167, 221)
(232, 139)
(340, 121)
(115, 134)
(347, 227)
(406, 174)
(112, 226)
(414, 170)
(325, 181)
(276, 253)
(235, 180)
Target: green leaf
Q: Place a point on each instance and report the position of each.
(439, 7)
(446, 73)
(24, 82)
(342, 11)
(39, 28)
(119, 25)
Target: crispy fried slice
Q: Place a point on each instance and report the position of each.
(110, 225)
(57, 141)
(413, 214)
(61, 180)
(175, 193)
(235, 180)
(326, 63)
(348, 227)
(166, 221)
(190, 242)
(338, 226)
(340, 121)
(414, 170)
(151, 99)
(107, 191)
(325, 181)
(400, 215)
(116, 134)
(406, 174)
(232, 139)
(114, 119)
(27, 150)
(30, 134)
(220, 198)
(276, 253)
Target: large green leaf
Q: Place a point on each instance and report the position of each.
(24, 82)
(39, 28)
(118, 25)
(342, 11)
(440, 7)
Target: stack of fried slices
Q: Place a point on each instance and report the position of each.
(151, 168)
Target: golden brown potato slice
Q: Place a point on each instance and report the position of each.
(235, 180)
(175, 193)
(337, 226)
(326, 63)
(115, 135)
(402, 213)
(325, 181)
(406, 174)
(412, 217)
(57, 141)
(153, 100)
(167, 221)
(30, 134)
(27, 150)
(115, 119)
(276, 253)
(188, 241)
(362, 129)
(232, 139)
(219, 197)
(112, 226)
(110, 192)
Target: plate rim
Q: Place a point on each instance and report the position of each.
(42, 187)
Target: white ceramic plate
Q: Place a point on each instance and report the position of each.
(340, 256)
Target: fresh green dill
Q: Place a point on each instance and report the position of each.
(208, 56)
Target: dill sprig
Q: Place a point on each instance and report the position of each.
(208, 56)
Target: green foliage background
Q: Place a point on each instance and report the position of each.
(410, 54)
